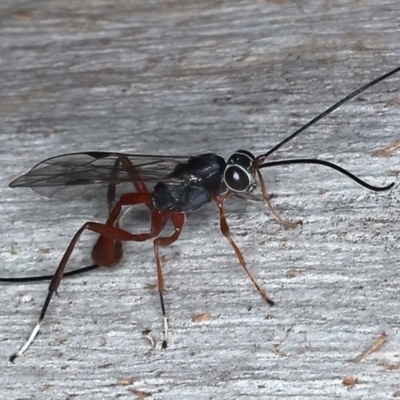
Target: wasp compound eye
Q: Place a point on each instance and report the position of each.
(239, 172)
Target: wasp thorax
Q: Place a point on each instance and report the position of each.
(239, 174)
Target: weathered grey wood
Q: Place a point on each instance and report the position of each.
(186, 77)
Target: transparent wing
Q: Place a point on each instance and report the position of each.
(69, 175)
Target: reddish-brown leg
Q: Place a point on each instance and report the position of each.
(137, 182)
(135, 176)
(225, 231)
(107, 231)
(285, 222)
(107, 245)
(108, 250)
(178, 220)
(112, 187)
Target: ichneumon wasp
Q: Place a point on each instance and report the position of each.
(182, 185)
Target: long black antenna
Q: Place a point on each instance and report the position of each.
(328, 111)
(48, 277)
(329, 165)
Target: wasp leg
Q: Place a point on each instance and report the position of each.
(178, 220)
(285, 222)
(105, 247)
(225, 231)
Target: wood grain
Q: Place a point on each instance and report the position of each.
(174, 77)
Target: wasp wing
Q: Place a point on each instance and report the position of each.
(68, 175)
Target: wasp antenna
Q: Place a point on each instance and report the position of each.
(328, 111)
(48, 277)
(329, 165)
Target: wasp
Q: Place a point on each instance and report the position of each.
(171, 188)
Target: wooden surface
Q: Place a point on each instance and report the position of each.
(175, 77)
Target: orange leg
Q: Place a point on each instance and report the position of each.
(285, 222)
(139, 185)
(109, 235)
(108, 250)
(225, 231)
(114, 248)
(135, 176)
